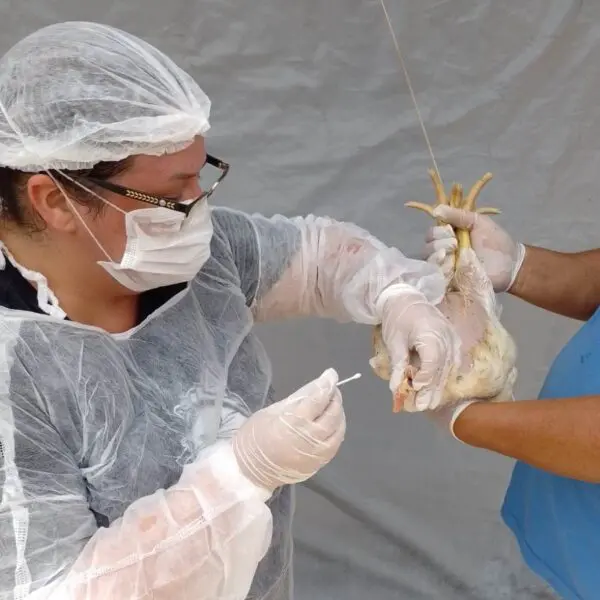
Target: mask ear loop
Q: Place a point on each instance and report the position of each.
(72, 205)
(46, 298)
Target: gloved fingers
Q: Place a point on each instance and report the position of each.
(463, 219)
(329, 419)
(323, 437)
(337, 437)
(445, 246)
(439, 257)
(399, 360)
(439, 354)
(399, 373)
(319, 431)
(311, 400)
(438, 357)
(440, 232)
(428, 398)
(444, 260)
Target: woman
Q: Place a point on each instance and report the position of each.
(553, 502)
(143, 455)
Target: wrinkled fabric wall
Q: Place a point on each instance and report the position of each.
(311, 109)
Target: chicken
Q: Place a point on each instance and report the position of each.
(488, 352)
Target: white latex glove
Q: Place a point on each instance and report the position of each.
(289, 441)
(447, 416)
(500, 256)
(411, 322)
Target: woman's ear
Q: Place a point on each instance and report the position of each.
(49, 203)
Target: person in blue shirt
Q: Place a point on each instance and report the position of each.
(553, 500)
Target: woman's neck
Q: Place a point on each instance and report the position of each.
(85, 292)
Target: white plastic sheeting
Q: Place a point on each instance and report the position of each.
(310, 108)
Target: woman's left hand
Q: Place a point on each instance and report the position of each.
(411, 323)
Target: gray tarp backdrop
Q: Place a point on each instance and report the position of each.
(310, 108)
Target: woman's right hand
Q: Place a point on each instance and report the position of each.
(289, 441)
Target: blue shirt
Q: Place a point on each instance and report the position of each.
(557, 520)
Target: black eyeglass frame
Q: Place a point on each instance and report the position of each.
(158, 200)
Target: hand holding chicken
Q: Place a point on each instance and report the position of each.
(488, 353)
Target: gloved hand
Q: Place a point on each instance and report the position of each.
(500, 256)
(289, 441)
(447, 416)
(411, 323)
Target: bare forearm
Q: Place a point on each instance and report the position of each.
(560, 436)
(564, 283)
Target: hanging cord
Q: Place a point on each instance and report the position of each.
(410, 88)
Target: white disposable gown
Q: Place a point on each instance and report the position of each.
(95, 428)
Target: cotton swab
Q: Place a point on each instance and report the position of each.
(349, 379)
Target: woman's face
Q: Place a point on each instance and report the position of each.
(172, 176)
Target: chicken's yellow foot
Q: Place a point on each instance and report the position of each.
(456, 200)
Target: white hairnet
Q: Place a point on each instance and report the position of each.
(74, 94)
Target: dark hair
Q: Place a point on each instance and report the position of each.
(13, 183)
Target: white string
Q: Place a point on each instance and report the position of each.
(410, 88)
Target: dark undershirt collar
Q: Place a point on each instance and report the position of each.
(17, 293)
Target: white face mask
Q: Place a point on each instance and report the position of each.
(163, 247)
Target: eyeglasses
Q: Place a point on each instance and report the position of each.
(158, 200)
